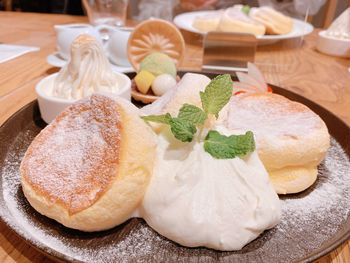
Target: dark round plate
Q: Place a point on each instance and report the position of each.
(313, 222)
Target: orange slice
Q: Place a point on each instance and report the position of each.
(155, 35)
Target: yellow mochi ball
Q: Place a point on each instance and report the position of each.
(144, 80)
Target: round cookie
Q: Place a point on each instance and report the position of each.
(89, 168)
(291, 139)
(155, 35)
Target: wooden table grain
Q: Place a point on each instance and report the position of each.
(292, 64)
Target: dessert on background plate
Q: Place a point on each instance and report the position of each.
(275, 22)
(234, 20)
(258, 21)
(88, 71)
(208, 22)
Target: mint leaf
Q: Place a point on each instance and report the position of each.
(182, 131)
(192, 114)
(165, 118)
(217, 94)
(227, 147)
(246, 9)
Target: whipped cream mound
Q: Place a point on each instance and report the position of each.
(87, 72)
(197, 200)
(340, 28)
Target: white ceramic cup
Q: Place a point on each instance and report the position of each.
(333, 46)
(116, 44)
(67, 33)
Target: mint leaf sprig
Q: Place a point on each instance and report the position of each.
(216, 95)
(184, 126)
(224, 147)
(246, 9)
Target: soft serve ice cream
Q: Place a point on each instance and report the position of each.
(197, 196)
(87, 72)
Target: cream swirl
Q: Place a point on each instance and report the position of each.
(87, 72)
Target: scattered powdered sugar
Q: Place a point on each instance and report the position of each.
(293, 118)
(324, 207)
(309, 221)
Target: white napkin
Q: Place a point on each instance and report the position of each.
(8, 52)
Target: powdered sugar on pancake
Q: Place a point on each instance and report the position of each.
(271, 114)
(73, 161)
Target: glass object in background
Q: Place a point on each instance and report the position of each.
(106, 12)
(162, 9)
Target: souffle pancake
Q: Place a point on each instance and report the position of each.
(89, 168)
(291, 139)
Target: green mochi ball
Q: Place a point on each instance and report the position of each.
(158, 63)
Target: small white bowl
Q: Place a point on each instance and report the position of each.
(333, 46)
(50, 106)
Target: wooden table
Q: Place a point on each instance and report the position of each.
(292, 64)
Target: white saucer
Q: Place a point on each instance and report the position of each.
(56, 60)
